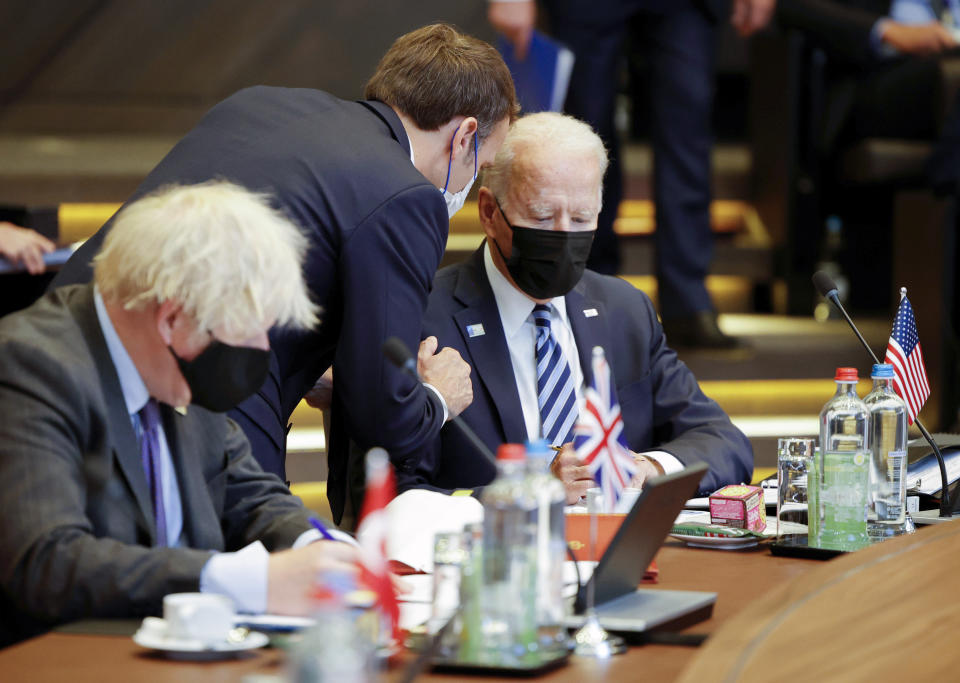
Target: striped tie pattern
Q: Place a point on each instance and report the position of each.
(555, 391)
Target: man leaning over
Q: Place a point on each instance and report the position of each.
(372, 184)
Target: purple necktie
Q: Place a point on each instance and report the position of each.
(150, 456)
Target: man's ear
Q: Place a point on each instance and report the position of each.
(167, 317)
(463, 138)
(487, 208)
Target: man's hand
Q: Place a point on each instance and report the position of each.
(647, 468)
(515, 20)
(917, 39)
(448, 373)
(322, 393)
(292, 574)
(24, 246)
(576, 478)
(749, 16)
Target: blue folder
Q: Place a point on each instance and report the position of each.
(542, 79)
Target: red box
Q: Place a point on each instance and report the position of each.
(739, 506)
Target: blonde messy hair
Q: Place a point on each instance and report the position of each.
(233, 262)
(547, 131)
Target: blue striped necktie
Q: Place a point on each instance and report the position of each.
(556, 395)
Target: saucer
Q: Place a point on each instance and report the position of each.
(718, 542)
(152, 635)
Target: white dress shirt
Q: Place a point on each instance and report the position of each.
(521, 333)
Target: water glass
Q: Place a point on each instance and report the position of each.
(448, 555)
(794, 465)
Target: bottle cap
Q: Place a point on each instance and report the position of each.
(511, 452)
(846, 375)
(539, 448)
(882, 371)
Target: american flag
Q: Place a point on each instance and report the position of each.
(372, 536)
(598, 436)
(904, 354)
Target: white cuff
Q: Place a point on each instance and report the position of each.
(241, 576)
(446, 413)
(668, 462)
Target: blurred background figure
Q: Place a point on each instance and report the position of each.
(678, 40)
(891, 72)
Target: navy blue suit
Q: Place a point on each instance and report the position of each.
(377, 229)
(678, 38)
(662, 405)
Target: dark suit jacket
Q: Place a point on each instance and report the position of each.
(76, 520)
(662, 405)
(841, 27)
(377, 229)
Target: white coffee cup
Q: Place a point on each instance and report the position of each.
(206, 617)
(628, 497)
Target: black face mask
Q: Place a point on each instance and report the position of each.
(546, 263)
(223, 375)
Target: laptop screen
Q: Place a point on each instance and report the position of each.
(636, 542)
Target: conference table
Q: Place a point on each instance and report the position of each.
(775, 618)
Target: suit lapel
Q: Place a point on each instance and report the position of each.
(489, 355)
(588, 320)
(120, 432)
(190, 478)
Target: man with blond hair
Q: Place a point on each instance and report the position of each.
(526, 315)
(373, 184)
(120, 483)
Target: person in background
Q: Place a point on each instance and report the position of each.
(885, 71)
(23, 246)
(678, 38)
(123, 479)
(525, 314)
(373, 184)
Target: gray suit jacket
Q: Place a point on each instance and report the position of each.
(76, 521)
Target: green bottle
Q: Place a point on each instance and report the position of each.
(843, 470)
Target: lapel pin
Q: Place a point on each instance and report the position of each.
(475, 330)
(589, 313)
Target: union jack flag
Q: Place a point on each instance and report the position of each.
(598, 436)
(904, 354)
(372, 536)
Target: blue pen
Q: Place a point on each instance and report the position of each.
(318, 525)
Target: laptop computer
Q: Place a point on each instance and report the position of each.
(620, 605)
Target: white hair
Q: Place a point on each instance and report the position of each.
(548, 131)
(234, 263)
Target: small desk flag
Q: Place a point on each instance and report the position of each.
(598, 436)
(372, 536)
(906, 357)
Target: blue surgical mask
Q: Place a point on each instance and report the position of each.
(455, 200)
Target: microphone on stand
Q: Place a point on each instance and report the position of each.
(828, 290)
(398, 354)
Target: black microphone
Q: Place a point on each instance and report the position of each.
(828, 290)
(398, 354)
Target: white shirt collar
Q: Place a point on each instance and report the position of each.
(515, 307)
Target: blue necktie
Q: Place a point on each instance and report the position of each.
(556, 395)
(150, 456)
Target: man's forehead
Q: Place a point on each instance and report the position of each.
(532, 182)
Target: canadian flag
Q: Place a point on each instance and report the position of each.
(372, 535)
